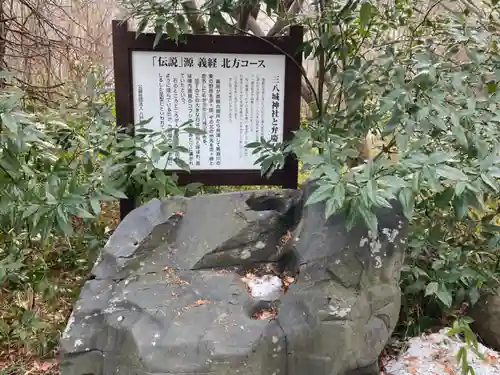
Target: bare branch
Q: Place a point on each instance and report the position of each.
(244, 14)
(252, 24)
(256, 9)
(306, 93)
(294, 9)
(254, 27)
(194, 17)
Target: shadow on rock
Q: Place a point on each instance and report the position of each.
(249, 282)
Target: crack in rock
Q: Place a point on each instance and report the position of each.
(168, 293)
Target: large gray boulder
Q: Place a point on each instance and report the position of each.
(486, 315)
(167, 294)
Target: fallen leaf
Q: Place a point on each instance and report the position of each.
(265, 314)
(285, 238)
(202, 302)
(44, 366)
(287, 281)
(411, 358)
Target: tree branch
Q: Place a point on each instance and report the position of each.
(198, 25)
(244, 14)
(306, 93)
(251, 23)
(256, 9)
(307, 89)
(194, 17)
(295, 8)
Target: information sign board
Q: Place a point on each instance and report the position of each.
(236, 88)
(235, 100)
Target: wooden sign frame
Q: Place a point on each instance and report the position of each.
(125, 41)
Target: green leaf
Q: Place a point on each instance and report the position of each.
(416, 182)
(472, 55)
(380, 201)
(331, 173)
(443, 199)
(460, 188)
(172, 31)
(30, 211)
(82, 213)
(63, 223)
(468, 320)
(352, 215)
(393, 182)
(142, 26)
(113, 192)
(489, 181)
(474, 296)
(198, 131)
(313, 159)
(9, 121)
(431, 288)
(444, 295)
(439, 157)
(251, 144)
(321, 194)
(451, 173)
(308, 49)
(194, 186)
(96, 206)
(339, 195)
(460, 205)
(159, 35)
(330, 207)
(182, 164)
(459, 134)
(369, 218)
(454, 331)
(267, 165)
(324, 40)
(155, 155)
(365, 15)
(492, 87)
(432, 180)
(407, 201)
(180, 20)
(371, 190)
(140, 124)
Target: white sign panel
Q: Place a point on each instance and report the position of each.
(235, 99)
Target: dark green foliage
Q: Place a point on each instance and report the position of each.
(57, 168)
(422, 80)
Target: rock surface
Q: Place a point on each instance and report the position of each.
(167, 294)
(486, 315)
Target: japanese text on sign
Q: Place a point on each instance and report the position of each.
(206, 62)
(235, 100)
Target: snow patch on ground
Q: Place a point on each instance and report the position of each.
(266, 288)
(435, 354)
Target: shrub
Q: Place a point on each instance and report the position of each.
(57, 167)
(423, 79)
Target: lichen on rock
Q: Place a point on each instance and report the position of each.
(251, 282)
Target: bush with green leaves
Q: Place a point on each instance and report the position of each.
(449, 264)
(420, 76)
(57, 166)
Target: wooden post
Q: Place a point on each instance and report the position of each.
(125, 44)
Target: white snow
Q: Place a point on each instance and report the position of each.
(435, 354)
(267, 287)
